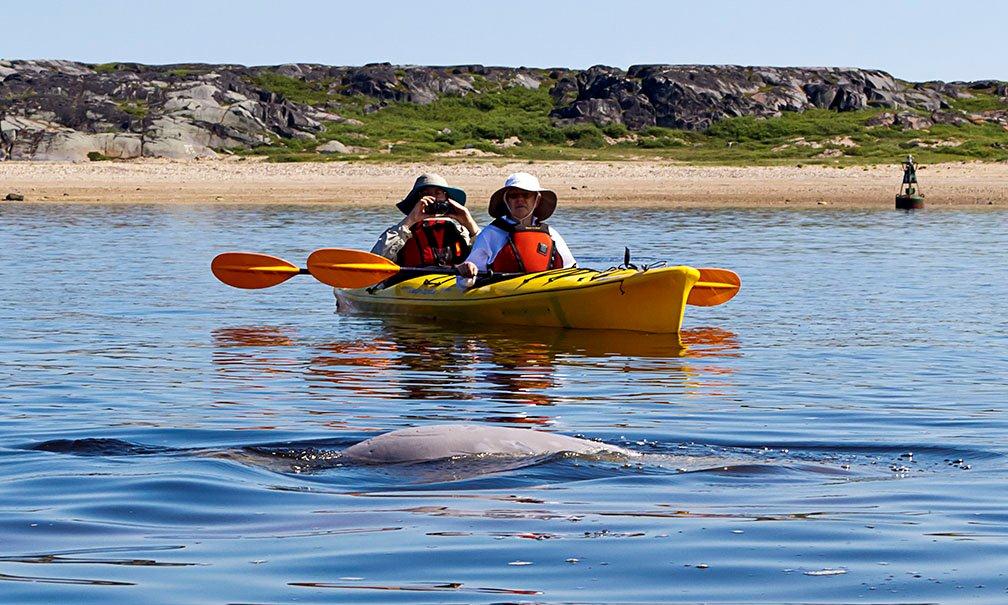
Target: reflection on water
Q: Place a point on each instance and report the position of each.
(261, 336)
(48, 580)
(74, 557)
(458, 587)
(417, 361)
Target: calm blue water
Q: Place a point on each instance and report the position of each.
(835, 434)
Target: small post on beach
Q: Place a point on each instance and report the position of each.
(909, 197)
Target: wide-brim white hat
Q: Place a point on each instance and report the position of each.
(525, 181)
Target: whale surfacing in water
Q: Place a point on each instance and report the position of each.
(437, 442)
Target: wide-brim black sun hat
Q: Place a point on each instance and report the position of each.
(430, 180)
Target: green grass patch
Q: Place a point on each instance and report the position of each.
(584, 136)
(811, 123)
(663, 138)
(183, 73)
(106, 68)
(454, 122)
(137, 109)
(981, 101)
(293, 89)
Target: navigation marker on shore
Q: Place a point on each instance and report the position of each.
(909, 197)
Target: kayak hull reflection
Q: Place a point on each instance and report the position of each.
(652, 300)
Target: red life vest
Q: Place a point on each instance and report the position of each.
(528, 250)
(435, 242)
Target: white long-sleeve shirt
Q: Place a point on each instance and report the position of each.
(492, 240)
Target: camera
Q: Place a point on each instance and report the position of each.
(438, 207)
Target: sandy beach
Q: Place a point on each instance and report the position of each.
(636, 184)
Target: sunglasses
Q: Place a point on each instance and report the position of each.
(515, 195)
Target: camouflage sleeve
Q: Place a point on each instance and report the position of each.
(392, 241)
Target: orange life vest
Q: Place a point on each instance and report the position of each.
(528, 250)
(435, 242)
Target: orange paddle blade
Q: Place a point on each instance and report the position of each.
(342, 268)
(715, 286)
(251, 271)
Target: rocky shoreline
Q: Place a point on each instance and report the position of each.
(69, 111)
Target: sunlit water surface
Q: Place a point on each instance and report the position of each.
(836, 433)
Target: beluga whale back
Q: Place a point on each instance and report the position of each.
(441, 441)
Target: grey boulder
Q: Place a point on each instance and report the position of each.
(333, 147)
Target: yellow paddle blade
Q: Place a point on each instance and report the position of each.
(342, 268)
(714, 287)
(250, 270)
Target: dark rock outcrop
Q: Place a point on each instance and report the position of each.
(949, 117)
(695, 96)
(63, 110)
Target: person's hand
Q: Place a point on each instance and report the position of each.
(419, 211)
(457, 210)
(460, 213)
(467, 270)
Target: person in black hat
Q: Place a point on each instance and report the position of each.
(437, 231)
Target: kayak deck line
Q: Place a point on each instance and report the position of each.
(440, 279)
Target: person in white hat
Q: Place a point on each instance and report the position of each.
(437, 230)
(518, 241)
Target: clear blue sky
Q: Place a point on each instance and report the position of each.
(944, 40)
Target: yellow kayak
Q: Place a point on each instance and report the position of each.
(651, 300)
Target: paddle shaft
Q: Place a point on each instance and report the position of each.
(433, 271)
(451, 271)
(408, 272)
